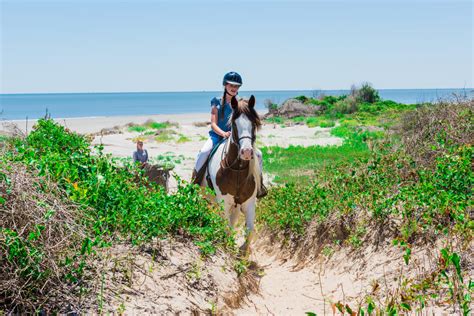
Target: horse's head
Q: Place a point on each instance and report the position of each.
(245, 123)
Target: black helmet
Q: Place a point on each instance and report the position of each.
(232, 78)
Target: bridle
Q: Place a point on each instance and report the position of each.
(236, 141)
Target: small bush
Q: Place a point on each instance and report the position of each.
(270, 105)
(159, 125)
(276, 120)
(137, 128)
(301, 98)
(183, 139)
(347, 106)
(326, 124)
(366, 93)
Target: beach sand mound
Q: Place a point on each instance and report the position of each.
(300, 279)
(293, 108)
(165, 277)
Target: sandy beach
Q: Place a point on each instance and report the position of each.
(193, 128)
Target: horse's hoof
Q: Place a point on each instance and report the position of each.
(244, 252)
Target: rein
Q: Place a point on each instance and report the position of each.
(226, 164)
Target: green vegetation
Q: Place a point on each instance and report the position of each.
(95, 182)
(150, 125)
(298, 164)
(159, 125)
(183, 139)
(116, 204)
(319, 121)
(137, 128)
(417, 180)
(165, 136)
(362, 107)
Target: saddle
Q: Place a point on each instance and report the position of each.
(206, 165)
(198, 175)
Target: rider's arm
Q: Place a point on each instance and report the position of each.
(214, 119)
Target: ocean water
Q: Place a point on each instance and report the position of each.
(65, 105)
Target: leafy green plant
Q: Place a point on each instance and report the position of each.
(137, 128)
(183, 139)
(116, 197)
(158, 125)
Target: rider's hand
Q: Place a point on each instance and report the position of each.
(226, 134)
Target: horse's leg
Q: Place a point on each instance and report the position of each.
(249, 209)
(229, 209)
(234, 215)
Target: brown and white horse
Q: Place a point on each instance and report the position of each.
(234, 169)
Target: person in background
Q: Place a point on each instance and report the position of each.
(140, 155)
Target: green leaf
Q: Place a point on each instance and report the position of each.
(405, 306)
(445, 254)
(456, 260)
(349, 310)
(370, 307)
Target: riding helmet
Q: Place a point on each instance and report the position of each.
(232, 78)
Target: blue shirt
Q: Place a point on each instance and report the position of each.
(222, 121)
(140, 155)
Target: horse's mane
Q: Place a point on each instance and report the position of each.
(243, 108)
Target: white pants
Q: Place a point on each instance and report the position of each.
(206, 150)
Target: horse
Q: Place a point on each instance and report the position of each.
(234, 170)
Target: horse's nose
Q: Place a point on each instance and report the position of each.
(246, 153)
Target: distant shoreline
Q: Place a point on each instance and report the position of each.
(219, 91)
(16, 107)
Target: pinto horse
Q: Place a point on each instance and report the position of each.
(234, 170)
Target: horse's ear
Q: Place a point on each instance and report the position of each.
(251, 101)
(234, 103)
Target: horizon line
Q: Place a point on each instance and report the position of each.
(194, 91)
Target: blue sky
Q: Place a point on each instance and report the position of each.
(95, 46)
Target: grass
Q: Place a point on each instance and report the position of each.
(159, 125)
(298, 164)
(150, 125)
(319, 121)
(183, 139)
(165, 136)
(137, 128)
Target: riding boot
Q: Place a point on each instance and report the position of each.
(198, 176)
(262, 191)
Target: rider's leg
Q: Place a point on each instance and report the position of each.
(199, 167)
(262, 190)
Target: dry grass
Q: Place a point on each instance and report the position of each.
(37, 233)
(426, 131)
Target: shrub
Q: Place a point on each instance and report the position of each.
(118, 199)
(345, 106)
(158, 125)
(137, 128)
(366, 93)
(301, 98)
(41, 243)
